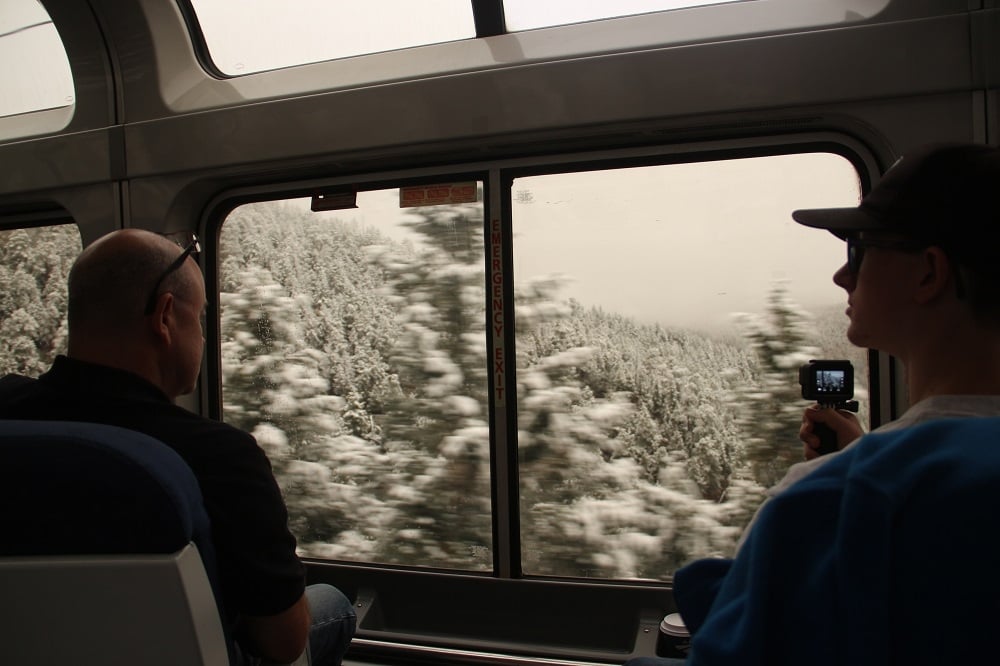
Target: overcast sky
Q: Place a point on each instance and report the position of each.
(688, 244)
(35, 73)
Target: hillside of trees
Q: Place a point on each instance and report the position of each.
(34, 266)
(359, 363)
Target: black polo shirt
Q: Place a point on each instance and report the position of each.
(258, 569)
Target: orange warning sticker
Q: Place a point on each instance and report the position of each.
(435, 195)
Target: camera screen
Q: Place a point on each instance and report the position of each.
(830, 381)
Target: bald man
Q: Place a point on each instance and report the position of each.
(136, 307)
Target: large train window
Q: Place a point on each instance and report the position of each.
(661, 312)
(34, 266)
(35, 74)
(661, 315)
(354, 349)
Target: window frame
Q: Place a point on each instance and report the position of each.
(497, 178)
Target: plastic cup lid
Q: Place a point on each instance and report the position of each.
(673, 625)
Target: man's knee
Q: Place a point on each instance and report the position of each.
(333, 624)
(328, 604)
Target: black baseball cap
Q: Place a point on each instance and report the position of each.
(946, 195)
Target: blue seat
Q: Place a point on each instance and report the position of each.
(105, 550)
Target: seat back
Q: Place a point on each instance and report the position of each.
(105, 550)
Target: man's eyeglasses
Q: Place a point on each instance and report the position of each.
(191, 249)
(856, 248)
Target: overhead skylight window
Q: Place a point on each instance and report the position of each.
(529, 14)
(34, 69)
(258, 35)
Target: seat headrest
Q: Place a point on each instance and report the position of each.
(82, 488)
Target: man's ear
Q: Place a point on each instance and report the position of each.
(936, 272)
(161, 322)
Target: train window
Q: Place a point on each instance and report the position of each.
(34, 266)
(661, 315)
(35, 73)
(241, 37)
(527, 14)
(354, 349)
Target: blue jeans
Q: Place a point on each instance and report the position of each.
(333, 625)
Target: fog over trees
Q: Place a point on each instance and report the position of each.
(359, 363)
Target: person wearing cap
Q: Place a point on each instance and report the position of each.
(945, 197)
(886, 551)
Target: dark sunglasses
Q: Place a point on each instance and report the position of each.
(191, 249)
(856, 248)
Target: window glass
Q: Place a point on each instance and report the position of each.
(354, 350)
(661, 316)
(528, 14)
(35, 72)
(258, 35)
(34, 266)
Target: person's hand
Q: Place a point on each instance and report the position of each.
(843, 423)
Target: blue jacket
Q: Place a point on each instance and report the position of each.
(889, 553)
